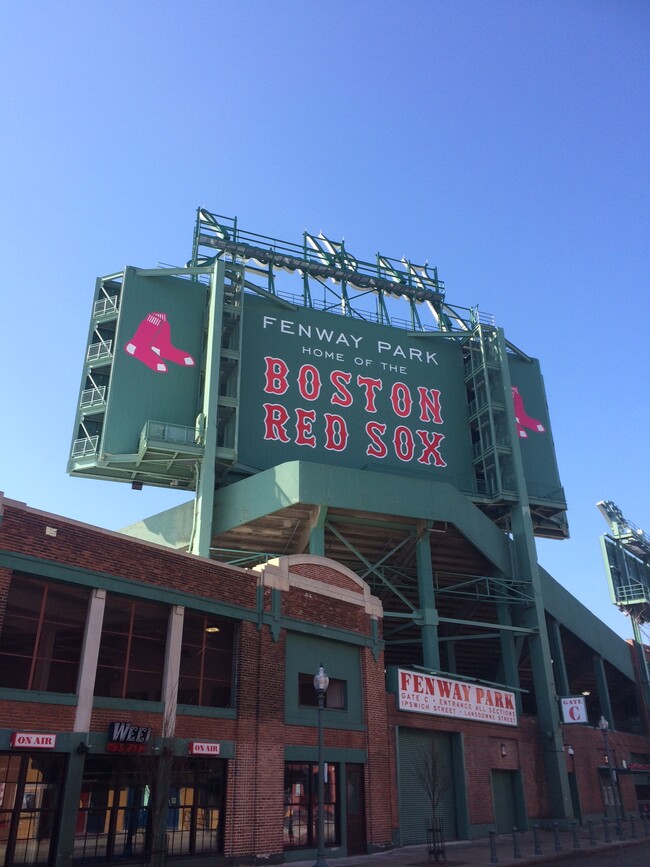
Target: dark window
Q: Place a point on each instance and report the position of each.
(42, 635)
(335, 696)
(116, 817)
(301, 805)
(113, 817)
(206, 672)
(195, 817)
(29, 807)
(132, 649)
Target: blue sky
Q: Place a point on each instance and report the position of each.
(505, 142)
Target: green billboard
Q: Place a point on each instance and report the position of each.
(534, 429)
(322, 387)
(157, 358)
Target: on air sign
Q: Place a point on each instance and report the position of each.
(202, 748)
(32, 741)
(574, 709)
(440, 696)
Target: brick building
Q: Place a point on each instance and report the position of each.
(368, 488)
(122, 661)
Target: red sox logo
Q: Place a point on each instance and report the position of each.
(152, 343)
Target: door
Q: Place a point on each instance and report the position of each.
(575, 796)
(355, 820)
(426, 784)
(504, 799)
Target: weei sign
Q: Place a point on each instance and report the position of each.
(440, 696)
(333, 389)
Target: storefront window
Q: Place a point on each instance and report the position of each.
(301, 805)
(195, 818)
(206, 674)
(132, 649)
(113, 817)
(30, 792)
(116, 818)
(42, 635)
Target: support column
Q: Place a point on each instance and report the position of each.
(558, 660)
(89, 657)
(644, 676)
(76, 760)
(172, 669)
(205, 483)
(533, 617)
(427, 602)
(69, 807)
(603, 691)
(317, 532)
(542, 669)
(509, 654)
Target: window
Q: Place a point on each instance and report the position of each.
(301, 805)
(206, 672)
(29, 807)
(195, 817)
(132, 649)
(42, 635)
(335, 697)
(115, 817)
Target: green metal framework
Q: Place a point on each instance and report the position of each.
(460, 594)
(626, 553)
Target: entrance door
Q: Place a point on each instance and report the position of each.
(426, 783)
(505, 804)
(575, 796)
(355, 820)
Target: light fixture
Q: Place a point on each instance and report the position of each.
(504, 751)
(213, 629)
(321, 682)
(586, 692)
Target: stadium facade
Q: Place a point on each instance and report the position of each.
(367, 491)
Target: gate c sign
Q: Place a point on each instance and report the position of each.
(574, 709)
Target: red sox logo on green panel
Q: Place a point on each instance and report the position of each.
(152, 345)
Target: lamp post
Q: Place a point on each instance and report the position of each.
(603, 725)
(321, 682)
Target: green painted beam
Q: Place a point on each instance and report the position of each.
(359, 491)
(483, 624)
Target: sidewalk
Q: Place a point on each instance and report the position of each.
(477, 853)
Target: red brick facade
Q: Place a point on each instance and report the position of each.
(317, 593)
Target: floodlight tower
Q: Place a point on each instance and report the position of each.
(626, 552)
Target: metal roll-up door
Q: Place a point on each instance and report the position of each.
(424, 757)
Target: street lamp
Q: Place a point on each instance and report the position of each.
(321, 682)
(603, 725)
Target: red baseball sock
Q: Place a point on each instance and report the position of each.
(522, 417)
(140, 344)
(162, 345)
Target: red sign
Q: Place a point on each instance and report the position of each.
(115, 747)
(32, 741)
(200, 748)
(343, 390)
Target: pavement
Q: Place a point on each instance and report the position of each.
(550, 845)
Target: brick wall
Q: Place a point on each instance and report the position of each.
(255, 788)
(95, 550)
